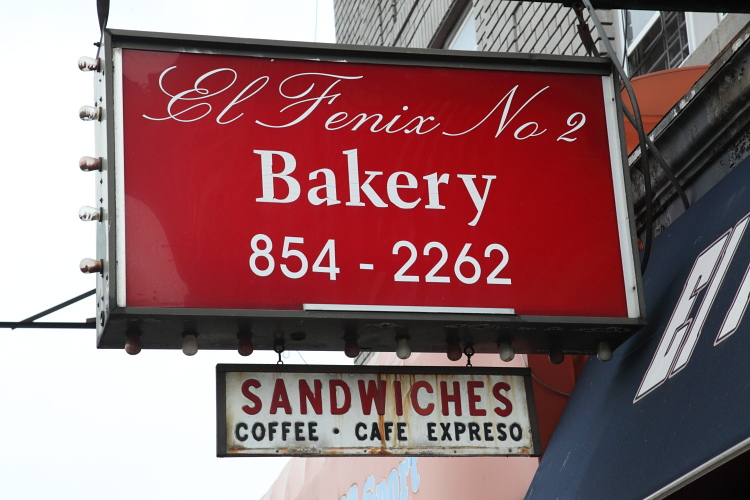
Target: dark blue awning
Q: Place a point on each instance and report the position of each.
(675, 398)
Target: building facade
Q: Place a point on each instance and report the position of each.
(462, 24)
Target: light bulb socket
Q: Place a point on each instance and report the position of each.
(189, 344)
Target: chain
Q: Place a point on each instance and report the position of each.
(469, 351)
(278, 348)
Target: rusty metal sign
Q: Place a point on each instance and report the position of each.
(279, 410)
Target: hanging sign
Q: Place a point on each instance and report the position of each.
(334, 410)
(324, 183)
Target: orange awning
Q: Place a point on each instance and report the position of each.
(657, 93)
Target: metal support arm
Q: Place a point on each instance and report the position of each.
(30, 322)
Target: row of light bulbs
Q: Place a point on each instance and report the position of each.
(90, 164)
(351, 348)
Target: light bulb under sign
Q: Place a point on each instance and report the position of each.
(351, 348)
(505, 351)
(132, 343)
(604, 352)
(454, 351)
(245, 344)
(556, 355)
(403, 351)
(189, 344)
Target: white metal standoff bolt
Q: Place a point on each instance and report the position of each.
(89, 113)
(90, 164)
(90, 266)
(87, 213)
(86, 63)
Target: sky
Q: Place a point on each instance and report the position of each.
(77, 422)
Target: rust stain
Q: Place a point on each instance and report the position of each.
(381, 425)
(379, 451)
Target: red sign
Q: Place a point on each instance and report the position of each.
(257, 182)
(315, 196)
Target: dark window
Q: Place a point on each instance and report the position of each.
(664, 45)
